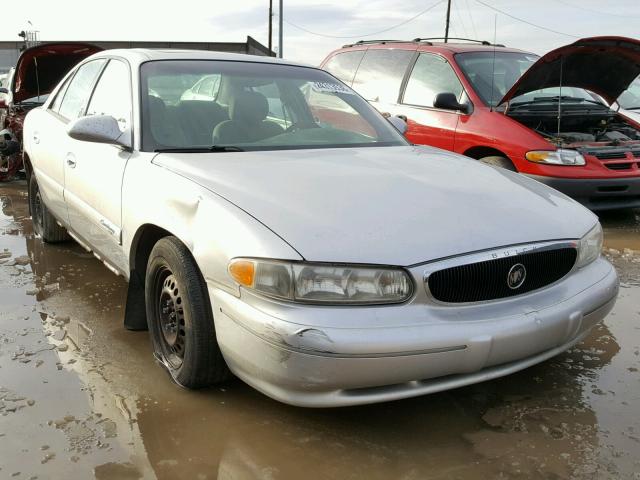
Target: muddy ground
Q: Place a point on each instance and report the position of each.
(80, 397)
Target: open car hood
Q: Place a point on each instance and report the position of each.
(40, 68)
(603, 65)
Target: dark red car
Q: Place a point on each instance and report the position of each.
(554, 118)
(37, 72)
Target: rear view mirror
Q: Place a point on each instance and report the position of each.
(399, 123)
(448, 101)
(99, 129)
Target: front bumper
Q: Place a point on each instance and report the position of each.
(599, 193)
(319, 357)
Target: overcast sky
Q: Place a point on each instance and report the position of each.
(223, 20)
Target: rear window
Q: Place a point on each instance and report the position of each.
(380, 74)
(344, 65)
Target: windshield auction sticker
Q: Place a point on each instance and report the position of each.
(327, 87)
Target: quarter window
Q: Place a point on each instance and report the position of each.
(430, 76)
(344, 65)
(380, 74)
(78, 92)
(112, 95)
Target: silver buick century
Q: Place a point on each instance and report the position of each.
(273, 225)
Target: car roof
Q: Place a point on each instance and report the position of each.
(142, 55)
(452, 47)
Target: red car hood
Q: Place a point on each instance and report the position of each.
(40, 68)
(602, 65)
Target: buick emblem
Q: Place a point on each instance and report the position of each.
(516, 276)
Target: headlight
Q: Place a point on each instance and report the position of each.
(590, 246)
(556, 157)
(322, 283)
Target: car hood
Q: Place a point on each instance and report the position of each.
(384, 205)
(39, 69)
(602, 65)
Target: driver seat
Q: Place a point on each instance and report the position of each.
(247, 124)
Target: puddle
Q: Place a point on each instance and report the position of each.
(83, 397)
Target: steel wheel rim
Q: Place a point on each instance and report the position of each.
(170, 318)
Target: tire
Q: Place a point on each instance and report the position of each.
(498, 161)
(180, 317)
(44, 224)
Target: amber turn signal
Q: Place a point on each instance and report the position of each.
(242, 271)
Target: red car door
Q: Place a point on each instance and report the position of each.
(431, 74)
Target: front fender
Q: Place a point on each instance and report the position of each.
(211, 227)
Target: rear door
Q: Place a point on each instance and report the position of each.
(94, 171)
(380, 74)
(431, 74)
(48, 136)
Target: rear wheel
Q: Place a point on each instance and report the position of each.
(498, 161)
(44, 224)
(180, 318)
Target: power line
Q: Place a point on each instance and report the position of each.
(473, 24)
(525, 21)
(599, 12)
(367, 34)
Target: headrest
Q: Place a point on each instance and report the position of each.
(249, 107)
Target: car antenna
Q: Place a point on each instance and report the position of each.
(560, 96)
(35, 61)
(493, 66)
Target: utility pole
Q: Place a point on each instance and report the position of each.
(270, 25)
(280, 32)
(446, 30)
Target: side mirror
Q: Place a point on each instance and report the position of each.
(4, 90)
(448, 101)
(399, 123)
(99, 129)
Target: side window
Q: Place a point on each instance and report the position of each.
(79, 89)
(380, 74)
(55, 104)
(344, 65)
(112, 95)
(206, 86)
(430, 76)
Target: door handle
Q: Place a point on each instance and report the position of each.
(36, 137)
(71, 160)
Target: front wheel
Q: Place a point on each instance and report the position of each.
(180, 318)
(498, 161)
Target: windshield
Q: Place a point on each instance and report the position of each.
(189, 104)
(553, 94)
(36, 100)
(630, 98)
(480, 68)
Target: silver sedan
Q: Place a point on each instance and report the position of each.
(284, 231)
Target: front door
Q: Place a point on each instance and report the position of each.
(427, 125)
(94, 171)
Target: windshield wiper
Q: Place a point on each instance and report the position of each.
(212, 148)
(556, 99)
(631, 108)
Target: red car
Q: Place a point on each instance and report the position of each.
(37, 72)
(553, 118)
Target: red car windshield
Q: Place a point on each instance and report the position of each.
(493, 78)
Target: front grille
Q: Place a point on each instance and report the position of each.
(619, 166)
(487, 280)
(611, 155)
